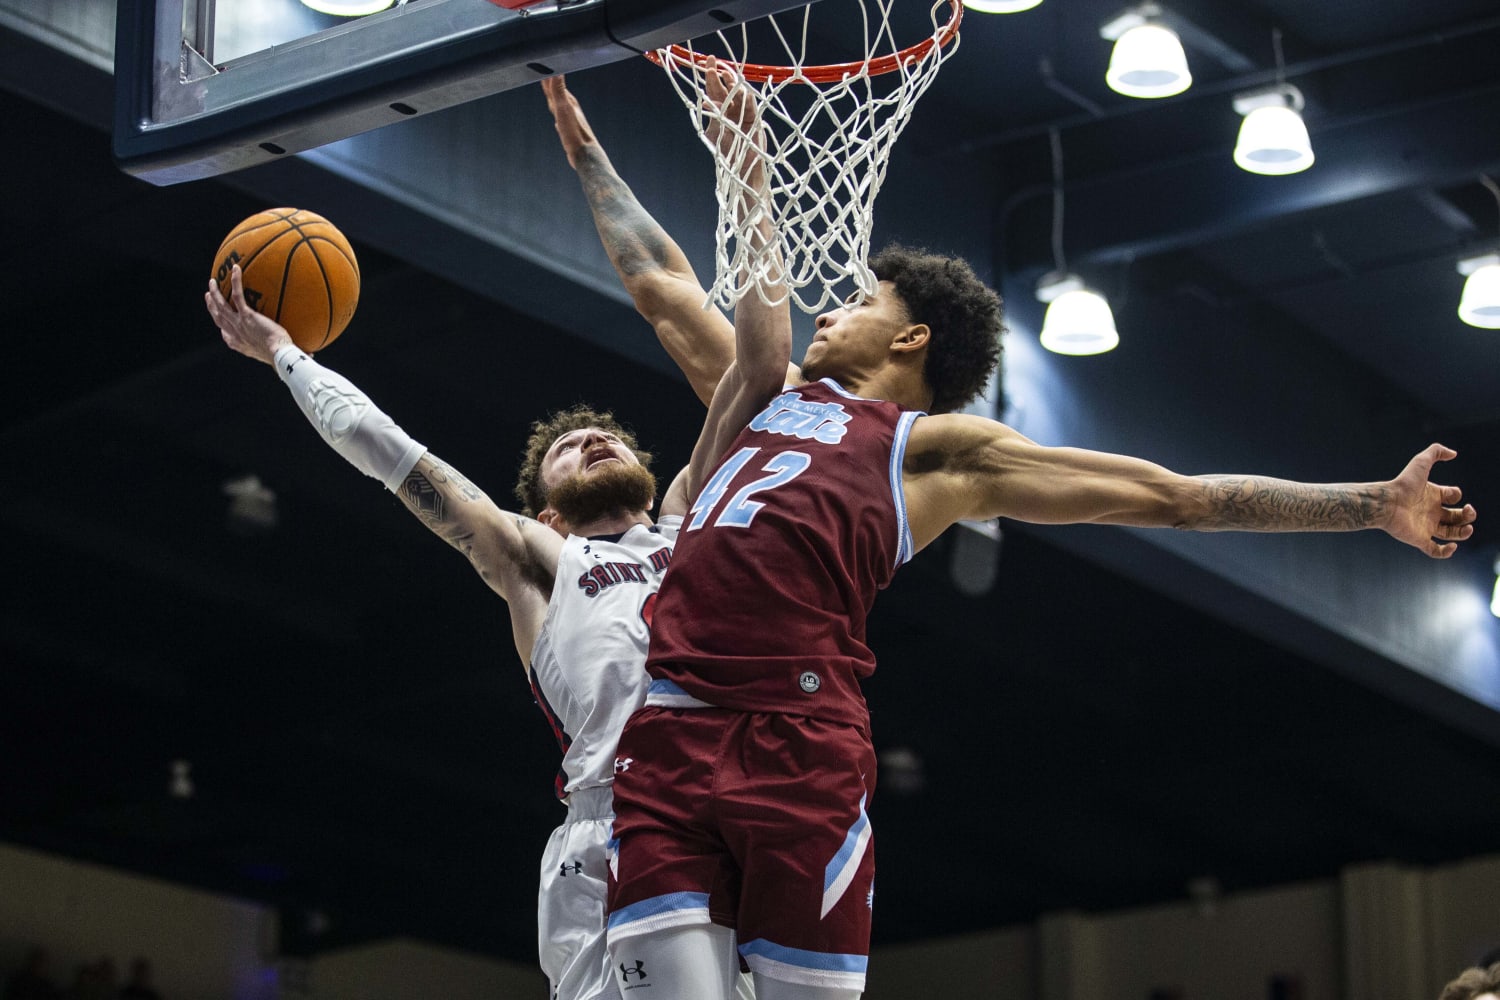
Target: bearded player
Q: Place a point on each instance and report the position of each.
(578, 567)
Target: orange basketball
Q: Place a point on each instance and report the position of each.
(298, 269)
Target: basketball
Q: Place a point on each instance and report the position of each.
(298, 269)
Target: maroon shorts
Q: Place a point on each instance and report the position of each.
(750, 820)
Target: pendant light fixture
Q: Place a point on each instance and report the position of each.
(1495, 597)
(1078, 319)
(1273, 138)
(1480, 304)
(1147, 60)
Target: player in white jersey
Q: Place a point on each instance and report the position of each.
(578, 572)
(579, 578)
(584, 667)
(578, 567)
(586, 670)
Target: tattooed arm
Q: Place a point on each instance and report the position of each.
(510, 552)
(653, 268)
(762, 332)
(516, 556)
(963, 467)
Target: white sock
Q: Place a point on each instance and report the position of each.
(774, 989)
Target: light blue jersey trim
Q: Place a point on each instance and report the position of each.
(840, 389)
(844, 864)
(666, 694)
(820, 960)
(673, 904)
(906, 546)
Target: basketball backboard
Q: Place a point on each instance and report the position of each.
(202, 92)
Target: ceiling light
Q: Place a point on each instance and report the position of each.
(1078, 320)
(1480, 304)
(1273, 139)
(1495, 597)
(1001, 6)
(348, 8)
(1147, 60)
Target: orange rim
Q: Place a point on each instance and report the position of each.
(829, 73)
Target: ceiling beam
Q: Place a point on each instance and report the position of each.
(1172, 204)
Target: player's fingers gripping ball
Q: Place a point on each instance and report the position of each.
(298, 269)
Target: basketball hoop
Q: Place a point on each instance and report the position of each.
(828, 132)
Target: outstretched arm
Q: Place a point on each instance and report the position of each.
(652, 267)
(762, 331)
(516, 556)
(963, 467)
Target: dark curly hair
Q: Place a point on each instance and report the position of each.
(529, 487)
(1471, 983)
(962, 312)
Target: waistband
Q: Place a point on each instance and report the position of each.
(597, 802)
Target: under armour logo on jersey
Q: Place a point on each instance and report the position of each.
(809, 681)
(626, 972)
(623, 763)
(575, 868)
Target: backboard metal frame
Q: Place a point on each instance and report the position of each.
(179, 117)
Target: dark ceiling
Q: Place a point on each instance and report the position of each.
(361, 740)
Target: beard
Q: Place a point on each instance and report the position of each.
(618, 488)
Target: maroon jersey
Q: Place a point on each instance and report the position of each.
(781, 556)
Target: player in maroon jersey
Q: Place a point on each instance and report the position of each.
(742, 806)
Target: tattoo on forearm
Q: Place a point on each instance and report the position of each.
(427, 494)
(422, 498)
(1251, 503)
(634, 240)
(430, 491)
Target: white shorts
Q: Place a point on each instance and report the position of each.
(571, 900)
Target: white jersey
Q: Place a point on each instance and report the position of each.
(588, 666)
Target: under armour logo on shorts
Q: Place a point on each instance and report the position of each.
(623, 763)
(639, 970)
(575, 868)
(809, 681)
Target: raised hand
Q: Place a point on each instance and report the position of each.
(1423, 514)
(730, 112)
(572, 127)
(243, 329)
(731, 120)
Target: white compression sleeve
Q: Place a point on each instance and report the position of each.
(352, 425)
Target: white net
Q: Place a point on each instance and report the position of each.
(828, 132)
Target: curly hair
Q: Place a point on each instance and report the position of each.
(529, 487)
(1471, 983)
(963, 314)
